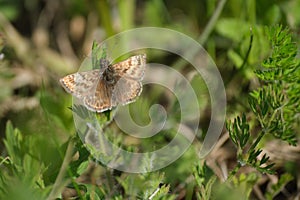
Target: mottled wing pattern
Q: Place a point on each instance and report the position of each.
(80, 84)
(133, 67)
(102, 90)
(101, 98)
(131, 72)
(126, 90)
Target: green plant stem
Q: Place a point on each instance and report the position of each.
(110, 181)
(205, 34)
(275, 112)
(257, 140)
(240, 69)
(211, 24)
(248, 51)
(104, 16)
(234, 171)
(127, 10)
(265, 129)
(59, 182)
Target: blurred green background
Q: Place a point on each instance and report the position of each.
(42, 41)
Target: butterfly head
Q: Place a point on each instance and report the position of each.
(104, 63)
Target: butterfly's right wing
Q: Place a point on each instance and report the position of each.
(133, 67)
(126, 90)
(81, 84)
(100, 99)
(129, 74)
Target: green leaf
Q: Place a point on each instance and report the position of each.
(239, 131)
(205, 180)
(13, 142)
(82, 167)
(235, 58)
(245, 182)
(232, 28)
(99, 55)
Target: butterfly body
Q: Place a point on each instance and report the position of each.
(113, 84)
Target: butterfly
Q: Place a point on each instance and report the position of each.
(112, 84)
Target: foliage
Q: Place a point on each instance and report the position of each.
(43, 157)
(23, 170)
(275, 106)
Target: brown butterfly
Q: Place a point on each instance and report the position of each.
(113, 84)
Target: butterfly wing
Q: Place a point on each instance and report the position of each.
(133, 67)
(129, 73)
(98, 94)
(80, 84)
(126, 90)
(100, 99)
